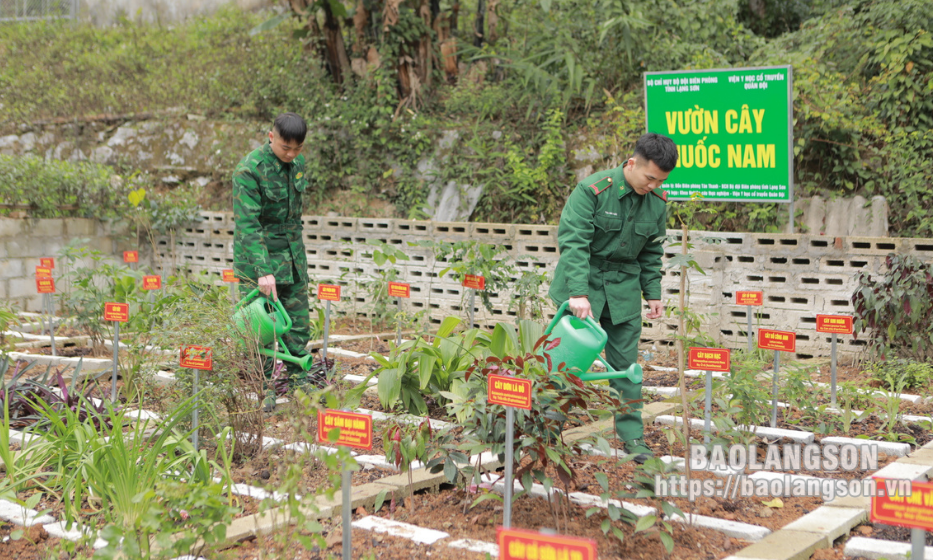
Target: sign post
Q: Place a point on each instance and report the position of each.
(327, 293)
(473, 283)
(835, 324)
(229, 276)
(196, 358)
(749, 299)
(118, 313)
(131, 257)
(734, 132)
(399, 290)
(914, 511)
(45, 285)
(512, 393)
(779, 341)
(355, 430)
(709, 360)
(152, 283)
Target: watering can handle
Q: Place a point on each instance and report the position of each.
(275, 303)
(560, 313)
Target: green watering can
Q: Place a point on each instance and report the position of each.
(581, 343)
(252, 315)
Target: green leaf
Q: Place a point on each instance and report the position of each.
(447, 326)
(425, 369)
(645, 522)
(380, 498)
(270, 23)
(668, 541)
(389, 387)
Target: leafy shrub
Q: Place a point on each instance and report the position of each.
(912, 374)
(897, 309)
(48, 185)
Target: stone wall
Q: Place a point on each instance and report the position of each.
(800, 275)
(24, 241)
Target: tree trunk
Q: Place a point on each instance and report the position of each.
(338, 62)
(478, 24)
(493, 21)
(360, 21)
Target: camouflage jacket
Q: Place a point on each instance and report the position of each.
(267, 210)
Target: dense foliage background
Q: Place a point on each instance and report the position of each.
(524, 83)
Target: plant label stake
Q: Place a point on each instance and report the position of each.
(473, 283)
(512, 393)
(399, 290)
(327, 293)
(131, 257)
(749, 299)
(897, 507)
(835, 324)
(196, 358)
(152, 283)
(45, 285)
(229, 276)
(779, 341)
(354, 430)
(709, 360)
(515, 544)
(118, 313)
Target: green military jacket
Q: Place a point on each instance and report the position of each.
(608, 245)
(267, 210)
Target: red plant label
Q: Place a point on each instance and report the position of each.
(131, 256)
(398, 289)
(328, 292)
(777, 340)
(196, 357)
(749, 298)
(43, 272)
(475, 282)
(509, 391)
(45, 285)
(117, 312)
(838, 324)
(915, 510)
(229, 276)
(521, 544)
(47, 263)
(710, 359)
(356, 430)
(152, 282)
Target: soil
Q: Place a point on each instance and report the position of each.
(444, 511)
(35, 544)
(887, 533)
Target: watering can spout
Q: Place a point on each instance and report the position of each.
(633, 373)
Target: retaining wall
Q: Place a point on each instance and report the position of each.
(800, 275)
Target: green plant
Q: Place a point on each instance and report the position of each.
(479, 259)
(915, 375)
(406, 443)
(643, 487)
(55, 189)
(538, 443)
(747, 390)
(417, 369)
(897, 309)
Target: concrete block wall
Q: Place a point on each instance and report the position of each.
(24, 241)
(801, 275)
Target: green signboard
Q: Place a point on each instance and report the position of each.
(733, 129)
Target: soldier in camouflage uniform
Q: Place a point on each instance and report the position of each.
(610, 257)
(268, 250)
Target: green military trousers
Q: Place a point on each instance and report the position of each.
(621, 352)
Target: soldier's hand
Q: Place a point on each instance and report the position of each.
(580, 307)
(267, 286)
(655, 309)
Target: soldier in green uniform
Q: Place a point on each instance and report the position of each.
(610, 258)
(268, 250)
